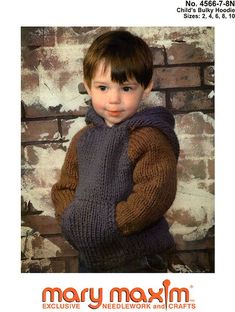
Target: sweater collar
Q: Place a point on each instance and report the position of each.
(146, 117)
(158, 117)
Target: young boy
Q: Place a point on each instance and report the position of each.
(119, 174)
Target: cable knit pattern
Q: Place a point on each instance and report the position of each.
(126, 181)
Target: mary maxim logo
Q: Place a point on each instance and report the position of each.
(165, 297)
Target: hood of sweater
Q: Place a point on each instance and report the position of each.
(158, 117)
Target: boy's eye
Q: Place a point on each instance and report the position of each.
(127, 89)
(102, 88)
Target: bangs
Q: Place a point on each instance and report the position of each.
(128, 56)
(121, 70)
(125, 67)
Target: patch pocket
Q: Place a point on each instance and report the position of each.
(89, 224)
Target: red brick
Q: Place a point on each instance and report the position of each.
(183, 217)
(195, 262)
(39, 172)
(29, 81)
(37, 110)
(209, 75)
(31, 58)
(32, 36)
(191, 100)
(39, 251)
(37, 36)
(81, 88)
(58, 265)
(197, 146)
(202, 186)
(81, 30)
(51, 61)
(67, 124)
(205, 243)
(43, 224)
(49, 37)
(211, 188)
(183, 53)
(78, 35)
(50, 265)
(158, 56)
(33, 178)
(86, 35)
(191, 169)
(194, 123)
(211, 168)
(176, 77)
(29, 155)
(72, 264)
(208, 186)
(36, 266)
(64, 78)
(46, 56)
(66, 249)
(66, 35)
(39, 130)
(183, 34)
(156, 98)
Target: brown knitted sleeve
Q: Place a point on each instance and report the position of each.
(154, 180)
(62, 192)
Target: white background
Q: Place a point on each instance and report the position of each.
(22, 292)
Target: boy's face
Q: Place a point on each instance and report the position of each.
(113, 101)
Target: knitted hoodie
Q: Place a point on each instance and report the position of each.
(115, 186)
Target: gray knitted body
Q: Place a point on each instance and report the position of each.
(105, 179)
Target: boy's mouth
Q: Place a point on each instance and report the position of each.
(114, 113)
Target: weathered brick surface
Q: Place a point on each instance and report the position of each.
(45, 225)
(198, 146)
(29, 81)
(54, 103)
(205, 243)
(40, 130)
(31, 58)
(158, 56)
(176, 77)
(51, 60)
(41, 166)
(211, 188)
(32, 155)
(192, 100)
(38, 110)
(211, 168)
(156, 98)
(38, 247)
(32, 36)
(195, 123)
(72, 264)
(189, 169)
(71, 127)
(78, 35)
(209, 75)
(183, 53)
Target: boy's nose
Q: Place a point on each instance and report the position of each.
(114, 97)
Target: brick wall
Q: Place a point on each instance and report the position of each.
(54, 103)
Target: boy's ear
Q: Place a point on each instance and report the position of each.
(148, 89)
(87, 87)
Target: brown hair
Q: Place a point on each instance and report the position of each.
(128, 55)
